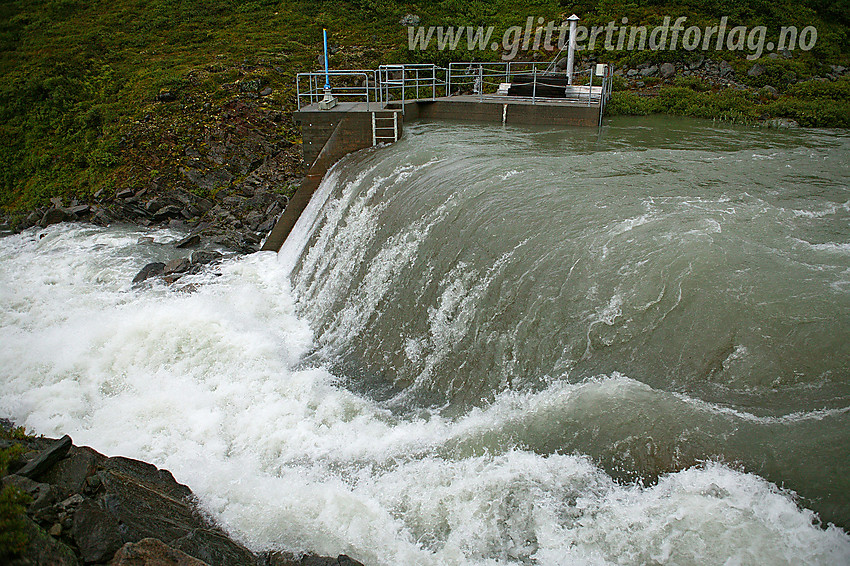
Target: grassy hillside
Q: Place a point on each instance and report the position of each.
(102, 95)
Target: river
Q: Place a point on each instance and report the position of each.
(484, 345)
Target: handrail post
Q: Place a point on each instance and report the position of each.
(534, 85)
(480, 83)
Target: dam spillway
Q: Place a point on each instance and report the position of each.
(331, 130)
(622, 348)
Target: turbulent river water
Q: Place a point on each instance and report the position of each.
(484, 345)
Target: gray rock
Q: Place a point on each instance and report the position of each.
(266, 91)
(726, 69)
(210, 180)
(649, 71)
(629, 73)
(166, 212)
(69, 474)
(150, 270)
(46, 459)
(53, 216)
(188, 242)
(179, 265)
(410, 20)
(204, 257)
(770, 90)
(695, 62)
(96, 533)
(72, 502)
(251, 85)
(79, 210)
(267, 225)
(211, 547)
(782, 123)
(667, 70)
(253, 220)
(166, 96)
(152, 552)
(756, 70)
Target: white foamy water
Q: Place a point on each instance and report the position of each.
(211, 385)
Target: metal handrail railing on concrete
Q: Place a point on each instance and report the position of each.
(416, 77)
(309, 87)
(485, 79)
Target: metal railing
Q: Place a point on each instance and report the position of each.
(359, 85)
(397, 81)
(488, 80)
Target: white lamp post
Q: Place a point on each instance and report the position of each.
(572, 48)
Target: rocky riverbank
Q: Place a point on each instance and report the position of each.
(67, 505)
(221, 172)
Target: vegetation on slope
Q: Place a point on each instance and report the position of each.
(104, 95)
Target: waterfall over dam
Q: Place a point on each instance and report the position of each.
(695, 280)
(484, 345)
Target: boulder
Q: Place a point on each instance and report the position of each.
(69, 475)
(667, 70)
(695, 62)
(649, 71)
(782, 123)
(53, 216)
(45, 460)
(166, 212)
(150, 270)
(410, 20)
(252, 85)
(179, 265)
(205, 257)
(96, 533)
(756, 70)
(78, 210)
(125, 501)
(188, 242)
(152, 552)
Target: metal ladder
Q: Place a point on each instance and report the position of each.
(382, 130)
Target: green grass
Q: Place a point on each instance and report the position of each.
(813, 103)
(13, 521)
(79, 114)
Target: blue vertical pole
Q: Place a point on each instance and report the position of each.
(327, 79)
